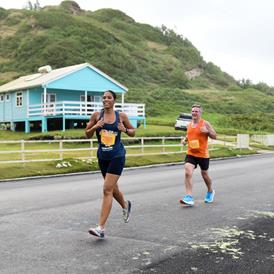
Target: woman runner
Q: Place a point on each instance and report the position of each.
(108, 125)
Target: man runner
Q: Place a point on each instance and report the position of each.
(198, 132)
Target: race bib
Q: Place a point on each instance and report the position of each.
(108, 137)
(194, 144)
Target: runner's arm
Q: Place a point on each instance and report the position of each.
(125, 125)
(211, 132)
(92, 125)
(184, 140)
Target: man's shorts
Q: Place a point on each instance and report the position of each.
(114, 166)
(202, 162)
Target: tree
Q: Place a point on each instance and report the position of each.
(37, 5)
(33, 6)
(29, 5)
(262, 87)
(245, 83)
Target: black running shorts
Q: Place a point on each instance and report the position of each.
(114, 166)
(202, 162)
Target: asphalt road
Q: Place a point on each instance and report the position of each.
(44, 223)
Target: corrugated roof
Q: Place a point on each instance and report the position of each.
(42, 79)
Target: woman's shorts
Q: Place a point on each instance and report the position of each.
(113, 166)
(202, 162)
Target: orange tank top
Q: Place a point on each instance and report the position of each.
(197, 141)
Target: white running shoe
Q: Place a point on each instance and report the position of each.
(97, 231)
(126, 212)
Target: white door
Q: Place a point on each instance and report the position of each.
(50, 103)
(98, 102)
(88, 106)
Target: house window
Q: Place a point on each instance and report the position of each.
(7, 97)
(97, 99)
(90, 98)
(2, 98)
(50, 98)
(19, 99)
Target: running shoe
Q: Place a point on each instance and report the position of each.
(209, 197)
(187, 200)
(126, 212)
(98, 232)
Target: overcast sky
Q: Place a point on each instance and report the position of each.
(236, 35)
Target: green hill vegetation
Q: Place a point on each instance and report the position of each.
(233, 111)
(136, 54)
(160, 67)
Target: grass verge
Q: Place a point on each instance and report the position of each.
(11, 171)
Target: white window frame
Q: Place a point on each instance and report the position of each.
(2, 98)
(19, 99)
(48, 98)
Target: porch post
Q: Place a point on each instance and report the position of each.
(64, 123)
(123, 101)
(12, 126)
(44, 124)
(27, 126)
(28, 103)
(86, 104)
(44, 100)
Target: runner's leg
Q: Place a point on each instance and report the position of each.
(109, 184)
(119, 197)
(189, 168)
(207, 180)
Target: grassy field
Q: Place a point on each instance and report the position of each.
(150, 130)
(9, 171)
(155, 127)
(51, 149)
(79, 165)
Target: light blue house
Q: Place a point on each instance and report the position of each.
(60, 99)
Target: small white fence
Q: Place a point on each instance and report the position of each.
(266, 140)
(246, 140)
(38, 151)
(156, 146)
(242, 140)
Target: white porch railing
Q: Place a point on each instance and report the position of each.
(77, 108)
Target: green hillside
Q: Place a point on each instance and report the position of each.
(136, 54)
(160, 67)
(230, 111)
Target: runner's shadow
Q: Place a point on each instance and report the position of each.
(186, 207)
(95, 242)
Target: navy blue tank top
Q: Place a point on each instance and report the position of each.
(109, 140)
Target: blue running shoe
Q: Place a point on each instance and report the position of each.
(209, 198)
(187, 200)
(126, 212)
(97, 231)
